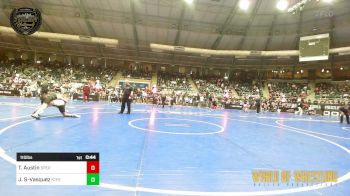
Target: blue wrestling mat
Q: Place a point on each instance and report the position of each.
(179, 150)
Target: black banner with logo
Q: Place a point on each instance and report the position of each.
(7, 92)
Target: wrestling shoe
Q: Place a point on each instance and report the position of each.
(35, 116)
(73, 115)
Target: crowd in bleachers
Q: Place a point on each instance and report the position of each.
(211, 84)
(283, 95)
(138, 72)
(221, 86)
(332, 92)
(173, 81)
(225, 90)
(24, 78)
(247, 89)
(288, 92)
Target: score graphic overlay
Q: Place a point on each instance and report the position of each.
(58, 169)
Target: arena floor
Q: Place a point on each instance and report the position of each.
(179, 151)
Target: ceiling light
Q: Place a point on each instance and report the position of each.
(341, 68)
(327, 71)
(328, 1)
(189, 1)
(322, 70)
(301, 71)
(244, 4)
(282, 5)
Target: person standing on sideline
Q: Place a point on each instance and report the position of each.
(127, 97)
(163, 97)
(86, 92)
(344, 111)
(299, 109)
(258, 105)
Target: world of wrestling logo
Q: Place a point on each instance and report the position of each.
(25, 21)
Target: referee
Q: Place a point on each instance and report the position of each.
(344, 112)
(258, 105)
(127, 97)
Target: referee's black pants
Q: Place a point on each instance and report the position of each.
(344, 112)
(163, 101)
(342, 118)
(258, 108)
(128, 103)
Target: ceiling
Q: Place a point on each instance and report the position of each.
(211, 24)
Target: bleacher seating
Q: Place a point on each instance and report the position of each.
(287, 92)
(25, 78)
(173, 81)
(137, 73)
(332, 92)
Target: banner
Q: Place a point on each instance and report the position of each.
(233, 106)
(7, 92)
